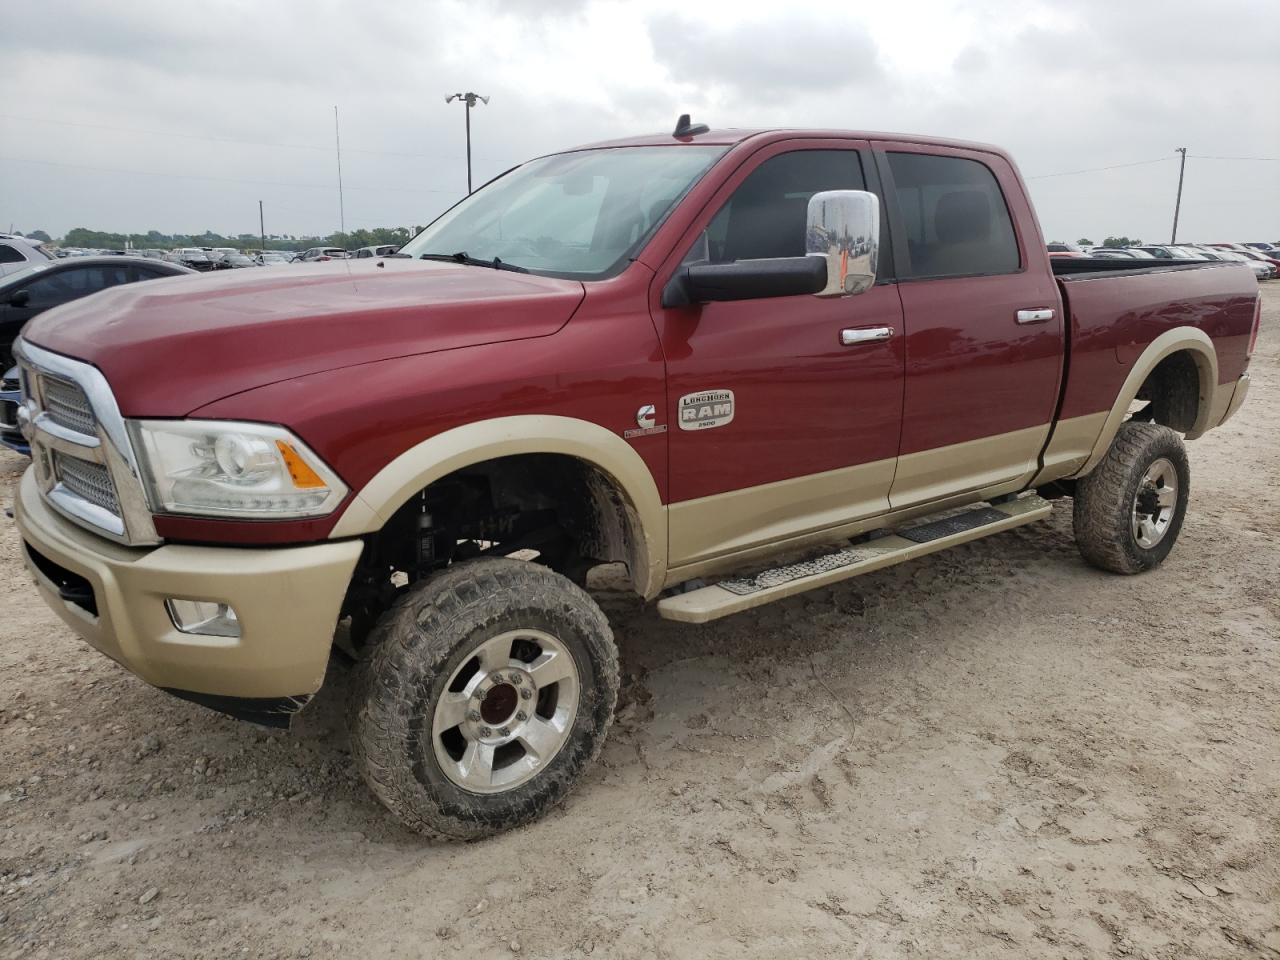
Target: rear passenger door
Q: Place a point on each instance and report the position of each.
(981, 383)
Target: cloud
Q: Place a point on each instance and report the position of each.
(764, 59)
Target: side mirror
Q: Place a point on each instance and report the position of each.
(20, 298)
(843, 230)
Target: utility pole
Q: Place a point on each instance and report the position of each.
(262, 230)
(1182, 168)
(470, 100)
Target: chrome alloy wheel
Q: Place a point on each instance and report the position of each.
(1155, 503)
(506, 711)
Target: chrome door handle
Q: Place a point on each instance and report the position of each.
(854, 335)
(1035, 316)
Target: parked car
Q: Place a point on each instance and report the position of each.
(18, 253)
(318, 254)
(1268, 248)
(1169, 252)
(235, 261)
(1261, 270)
(1114, 253)
(1064, 248)
(1258, 256)
(52, 283)
(194, 258)
(385, 250)
(269, 258)
(10, 397)
(209, 498)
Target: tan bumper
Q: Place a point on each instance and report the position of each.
(287, 601)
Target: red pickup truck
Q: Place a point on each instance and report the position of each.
(743, 364)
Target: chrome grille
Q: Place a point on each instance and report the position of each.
(68, 407)
(91, 481)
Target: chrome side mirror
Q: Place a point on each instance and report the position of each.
(843, 227)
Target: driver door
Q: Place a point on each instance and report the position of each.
(778, 426)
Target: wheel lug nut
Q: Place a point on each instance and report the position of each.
(495, 677)
(480, 693)
(522, 716)
(473, 716)
(485, 732)
(515, 678)
(525, 693)
(504, 731)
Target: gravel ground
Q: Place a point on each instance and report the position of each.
(996, 751)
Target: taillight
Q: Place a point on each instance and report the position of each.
(1257, 325)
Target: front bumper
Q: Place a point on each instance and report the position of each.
(287, 601)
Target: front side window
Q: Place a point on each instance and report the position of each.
(580, 215)
(956, 220)
(767, 214)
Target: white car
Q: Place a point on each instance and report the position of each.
(18, 253)
(381, 250)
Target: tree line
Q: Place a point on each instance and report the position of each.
(154, 239)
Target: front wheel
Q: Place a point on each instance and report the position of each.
(1129, 510)
(486, 695)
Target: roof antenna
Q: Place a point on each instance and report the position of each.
(686, 128)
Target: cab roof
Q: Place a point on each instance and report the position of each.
(732, 136)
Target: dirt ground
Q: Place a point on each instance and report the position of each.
(992, 752)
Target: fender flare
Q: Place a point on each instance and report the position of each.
(473, 443)
(1191, 339)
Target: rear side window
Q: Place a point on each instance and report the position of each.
(10, 255)
(53, 289)
(956, 220)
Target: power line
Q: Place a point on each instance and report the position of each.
(232, 140)
(1114, 166)
(195, 176)
(1197, 156)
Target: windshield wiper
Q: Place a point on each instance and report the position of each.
(463, 257)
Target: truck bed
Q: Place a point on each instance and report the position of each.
(1114, 309)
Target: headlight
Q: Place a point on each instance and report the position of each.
(220, 468)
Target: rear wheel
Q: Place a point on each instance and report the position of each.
(486, 695)
(1129, 510)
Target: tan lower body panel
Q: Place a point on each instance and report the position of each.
(1070, 446)
(287, 601)
(777, 515)
(713, 602)
(934, 474)
(729, 522)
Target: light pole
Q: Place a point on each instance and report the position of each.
(470, 100)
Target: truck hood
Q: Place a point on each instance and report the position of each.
(170, 346)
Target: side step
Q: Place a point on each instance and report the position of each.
(743, 593)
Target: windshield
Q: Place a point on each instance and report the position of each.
(577, 214)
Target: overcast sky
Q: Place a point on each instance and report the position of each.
(179, 117)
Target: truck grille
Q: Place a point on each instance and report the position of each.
(90, 481)
(68, 407)
(82, 459)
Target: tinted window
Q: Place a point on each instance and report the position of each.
(10, 255)
(766, 215)
(65, 285)
(955, 216)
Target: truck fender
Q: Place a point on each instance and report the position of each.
(473, 443)
(1198, 344)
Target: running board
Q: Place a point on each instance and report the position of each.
(743, 593)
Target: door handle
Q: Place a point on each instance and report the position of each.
(855, 335)
(1035, 316)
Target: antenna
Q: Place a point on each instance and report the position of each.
(337, 140)
(686, 128)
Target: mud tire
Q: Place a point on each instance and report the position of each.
(421, 641)
(1103, 509)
